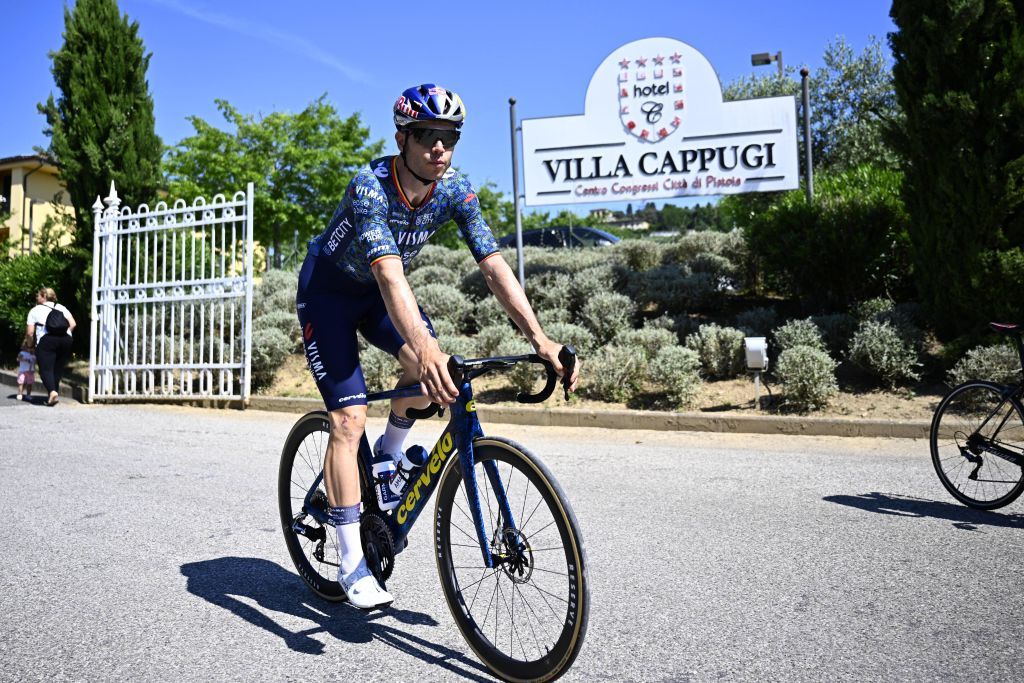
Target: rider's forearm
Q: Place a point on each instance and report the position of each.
(504, 285)
(401, 304)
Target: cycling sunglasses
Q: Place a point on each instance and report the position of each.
(428, 137)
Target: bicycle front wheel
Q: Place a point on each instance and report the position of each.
(526, 617)
(977, 445)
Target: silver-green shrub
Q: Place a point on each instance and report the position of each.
(551, 316)
(286, 321)
(443, 328)
(459, 261)
(836, 330)
(270, 346)
(720, 350)
(567, 333)
(872, 308)
(460, 345)
(488, 338)
(757, 322)
(588, 283)
(638, 255)
(433, 275)
(488, 311)
(808, 377)
(441, 301)
(523, 376)
(717, 266)
(613, 374)
(275, 292)
(606, 314)
(999, 364)
(797, 333)
(380, 369)
(676, 370)
(647, 340)
(880, 349)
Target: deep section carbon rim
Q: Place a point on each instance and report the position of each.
(977, 445)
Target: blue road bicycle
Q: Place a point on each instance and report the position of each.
(508, 547)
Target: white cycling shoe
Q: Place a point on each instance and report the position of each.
(362, 589)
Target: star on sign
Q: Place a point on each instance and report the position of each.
(624, 63)
(641, 61)
(676, 58)
(659, 60)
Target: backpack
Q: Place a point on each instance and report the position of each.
(56, 322)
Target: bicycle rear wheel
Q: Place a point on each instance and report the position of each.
(314, 552)
(526, 617)
(977, 445)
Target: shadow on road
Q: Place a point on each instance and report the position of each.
(224, 580)
(905, 506)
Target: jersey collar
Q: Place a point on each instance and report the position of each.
(401, 192)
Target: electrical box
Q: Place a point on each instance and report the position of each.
(757, 353)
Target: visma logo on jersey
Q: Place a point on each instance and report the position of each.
(438, 457)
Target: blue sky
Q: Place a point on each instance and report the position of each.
(264, 56)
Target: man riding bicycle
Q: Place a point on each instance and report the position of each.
(353, 278)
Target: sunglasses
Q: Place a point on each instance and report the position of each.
(428, 137)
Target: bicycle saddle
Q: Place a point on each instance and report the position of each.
(1007, 328)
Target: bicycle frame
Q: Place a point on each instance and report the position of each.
(463, 428)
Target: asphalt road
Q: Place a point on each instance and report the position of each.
(142, 543)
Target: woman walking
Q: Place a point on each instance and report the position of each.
(52, 324)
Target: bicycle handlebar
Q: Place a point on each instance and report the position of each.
(459, 368)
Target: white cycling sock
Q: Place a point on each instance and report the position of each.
(395, 433)
(350, 548)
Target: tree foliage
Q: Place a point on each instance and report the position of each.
(958, 79)
(101, 126)
(300, 165)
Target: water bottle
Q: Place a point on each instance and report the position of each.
(415, 456)
(383, 473)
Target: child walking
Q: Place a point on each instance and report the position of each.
(26, 367)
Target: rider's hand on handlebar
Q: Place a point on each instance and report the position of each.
(435, 382)
(549, 351)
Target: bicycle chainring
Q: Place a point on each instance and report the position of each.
(378, 545)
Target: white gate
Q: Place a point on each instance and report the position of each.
(172, 300)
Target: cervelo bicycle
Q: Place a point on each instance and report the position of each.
(977, 438)
(509, 552)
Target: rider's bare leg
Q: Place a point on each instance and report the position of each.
(399, 426)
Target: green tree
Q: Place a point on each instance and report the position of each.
(300, 165)
(101, 126)
(958, 79)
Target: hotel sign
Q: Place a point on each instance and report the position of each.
(655, 127)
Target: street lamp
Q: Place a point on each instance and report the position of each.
(764, 58)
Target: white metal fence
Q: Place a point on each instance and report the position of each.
(172, 299)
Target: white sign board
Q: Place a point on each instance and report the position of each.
(654, 127)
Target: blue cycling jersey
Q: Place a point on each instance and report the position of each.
(374, 220)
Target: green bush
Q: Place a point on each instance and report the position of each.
(567, 333)
(275, 292)
(718, 267)
(808, 377)
(552, 316)
(459, 345)
(720, 350)
(380, 369)
(286, 321)
(458, 261)
(488, 338)
(614, 374)
(797, 333)
(871, 309)
(880, 349)
(836, 330)
(446, 303)
(647, 341)
(433, 275)
(676, 370)
(662, 287)
(270, 347)
(66, 271)
(488, 311)
(993, 363)
(606, 314)
(850, 243)
(757, 322)
(443, 328)
(588, 283)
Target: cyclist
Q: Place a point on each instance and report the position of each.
(353, 278)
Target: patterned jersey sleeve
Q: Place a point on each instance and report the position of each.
(471, 222)
(370, 211)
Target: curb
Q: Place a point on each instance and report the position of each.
(68, 389)
(572, 417)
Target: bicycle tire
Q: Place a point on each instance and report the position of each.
(462, 573)
(302, 459)
(976, 477)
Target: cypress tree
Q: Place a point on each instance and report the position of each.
(958, 78)
(101, 127)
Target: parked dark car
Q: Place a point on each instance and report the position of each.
(560, 237)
